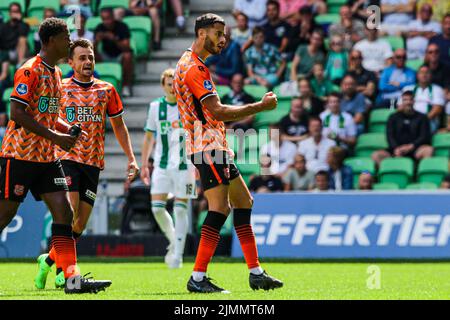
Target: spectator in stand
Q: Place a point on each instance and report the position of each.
(408, 133)
(393, 79)
(397, 14)
(281, 152)
(349, 29)
(365, 181)
(353, 102)
(298, 178)
(315, 148)
(13, 35)
(289, 10)
(265, 66)
(376, 53)
(445, 184)
(340, 176)
(336, 65)
(294, 126)
(150, 8)
(238, 97)
(321, 181)
(229, 62)
(440, 8)
(443, 40)
(242, 34)
(115, 39)
(338, 125)
(276, 31)
(69, 7)
(5, 82)
(307, 55)
(359, 8)
(255, 10)
(300, 34)
(321, 86)
(420, 32)
(82, 32)
(366, 81)
(266, 182)
(312, 105)
(447, 112)
(48, 13)
(429, 98)
(439, 71)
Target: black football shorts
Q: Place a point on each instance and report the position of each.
(82, 178)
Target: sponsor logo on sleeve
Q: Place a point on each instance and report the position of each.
(207, 85)
(22, 89)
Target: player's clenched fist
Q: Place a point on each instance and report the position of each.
(269, 101)
(65, 141)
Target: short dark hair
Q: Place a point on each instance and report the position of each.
(273, 3)
(206, 21)
(305, 10)
(314, 118)
(84, 43)
(51, 27)
(322, 173)
(257, 30)
(107, 9)
(17, 4)
(408, 93)
(335, 94)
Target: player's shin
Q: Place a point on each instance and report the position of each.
(181, 226)
(244, 231)
(164, 220)
(65, 251)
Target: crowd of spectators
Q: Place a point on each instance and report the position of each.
(336, 75)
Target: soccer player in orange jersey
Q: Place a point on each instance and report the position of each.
(86, 101)
(28, 157)
(202, 115)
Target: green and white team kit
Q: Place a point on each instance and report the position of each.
(173, 172)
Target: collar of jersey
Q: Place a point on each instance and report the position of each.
(52, 69)
(83, 84)
(190, 49)
(170, 104)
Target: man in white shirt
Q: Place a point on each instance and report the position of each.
(315, 148)
(281, 152)
(82, 32)
(255, 10)
(397, 14)
(420, 32)
(338, 125)
(429, 98)
(376, 53)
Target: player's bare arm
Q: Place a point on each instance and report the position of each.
(224, 112)
(123, 137)
(22, 118)
(147, 147)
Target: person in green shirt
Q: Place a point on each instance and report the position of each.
(307, 55)
(337, 60)
(321, 85)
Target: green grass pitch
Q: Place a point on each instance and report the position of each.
(150, 279)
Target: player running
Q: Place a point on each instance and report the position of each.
(202, 115)
(86, 101)
(28, 156)
(173, 172)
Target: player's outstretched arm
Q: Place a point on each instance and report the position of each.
(232, 113)
(123, 137)
(22, 118)
(146, 151)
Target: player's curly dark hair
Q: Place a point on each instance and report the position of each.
(51, 27)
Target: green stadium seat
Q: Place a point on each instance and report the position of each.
(421, 186)
(358, 165)
(92, 23)
(255, 90)
(369, 142)
(432, 170)
(398, 170)
(113, 4)
(222, 90)
(395, 42)
(265, 118)
(65, 69)
(141, 33)
(335, 5)
(378, 119)
(227, 228)
(284, 105)
(386, 186)
(414, 64)
(4, 7)
(5, 99)
(110, 72)
(37, 7)
(441, 144)
(327, 18)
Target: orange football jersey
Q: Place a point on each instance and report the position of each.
(37, 86)
(88, 104)
(192, 84)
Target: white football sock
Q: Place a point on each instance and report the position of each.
(164, 220)
(198, 276)
(181, 226)
(256, 271)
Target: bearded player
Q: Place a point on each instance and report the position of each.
(173, 172)
(86, 101)
(28, 156)
(202, 115)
